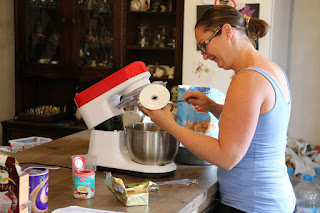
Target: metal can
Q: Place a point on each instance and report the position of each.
(38, 182)
(84, 181)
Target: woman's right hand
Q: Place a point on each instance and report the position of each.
(199, 99)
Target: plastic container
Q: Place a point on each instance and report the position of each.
(26, 143)
(5, 203)
(293, 179)
(316, 181)
(307, 195)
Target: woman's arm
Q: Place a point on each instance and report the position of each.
(238, 123)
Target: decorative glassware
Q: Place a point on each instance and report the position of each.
(92, 4)
(135, 5)
(172, 39)
(96, 33)
(156, 5)
(160, 38)
(143, 39)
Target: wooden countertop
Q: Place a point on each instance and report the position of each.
(170, 198)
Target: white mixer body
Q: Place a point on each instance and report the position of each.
(112, 153)
(98, 103)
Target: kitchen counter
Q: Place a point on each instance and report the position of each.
(170, 198)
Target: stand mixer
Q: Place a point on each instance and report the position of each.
(101, 102)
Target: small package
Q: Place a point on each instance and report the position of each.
(193, 117)
(14, 188)
(133, 194)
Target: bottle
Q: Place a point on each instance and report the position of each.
(293, 179)
(307, 195)
(316, 181)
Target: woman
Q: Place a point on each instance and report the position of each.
(250, 149)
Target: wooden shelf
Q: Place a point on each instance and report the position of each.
(135, 47)
(60, 72)
(150, 13)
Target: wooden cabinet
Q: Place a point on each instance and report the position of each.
(63, 47)
(13, 129)
(155, 36)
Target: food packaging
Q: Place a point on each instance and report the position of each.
(38, 184)
(84, 179)
(193, 117)
(132, 195)
(13, 187)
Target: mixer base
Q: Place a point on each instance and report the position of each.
(135, 173)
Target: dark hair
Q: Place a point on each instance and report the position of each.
(218, 15)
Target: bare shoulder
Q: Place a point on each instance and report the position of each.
(279, 76)
(249, 79)
(254, 88)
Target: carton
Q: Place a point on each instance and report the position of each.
(13, 187)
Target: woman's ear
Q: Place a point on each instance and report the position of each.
(227, 31)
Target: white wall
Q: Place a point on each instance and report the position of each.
(305, 72)
(6, 61)
(215, 77)
(280, 33)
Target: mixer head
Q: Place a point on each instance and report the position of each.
(99, 102)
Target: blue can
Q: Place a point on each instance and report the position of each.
(38, 182)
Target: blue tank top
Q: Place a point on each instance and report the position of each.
(260, 182)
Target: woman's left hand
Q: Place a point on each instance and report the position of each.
(162, 117)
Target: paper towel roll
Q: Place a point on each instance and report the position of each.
(154, 97)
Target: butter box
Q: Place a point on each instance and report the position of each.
(14, 189)
(133, 195)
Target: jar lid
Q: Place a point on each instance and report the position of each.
(84, 173)
(79, 163)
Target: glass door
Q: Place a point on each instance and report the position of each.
(43, 31)
(96, 33)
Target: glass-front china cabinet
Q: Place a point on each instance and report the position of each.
(64, 46)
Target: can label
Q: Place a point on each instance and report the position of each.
(38, 182)
(84, 182)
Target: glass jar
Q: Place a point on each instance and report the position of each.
(172, 39)
(135, 5)
(155, 5)
(160, 38)
(143, 39)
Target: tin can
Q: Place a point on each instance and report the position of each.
(84, 182)
(38, 182)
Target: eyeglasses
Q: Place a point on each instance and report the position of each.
(203, 46)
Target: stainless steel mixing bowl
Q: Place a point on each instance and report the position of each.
(148, 144)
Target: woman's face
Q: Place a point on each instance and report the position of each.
(215, 50)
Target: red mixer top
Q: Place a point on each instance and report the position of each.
(110, 82)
